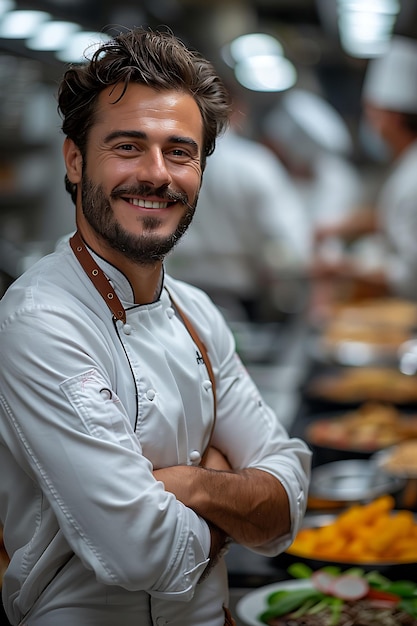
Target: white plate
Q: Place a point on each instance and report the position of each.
(254, 603)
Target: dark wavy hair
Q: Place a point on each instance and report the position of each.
(157, 59)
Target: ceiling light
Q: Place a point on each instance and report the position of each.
(253, 44)
(366, 26)
(365, 35)
(82, 46)
(376, 6)
(52, 35)
(266, 73)
(21, 24)
(365, 48)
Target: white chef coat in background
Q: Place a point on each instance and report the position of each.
(397, 207)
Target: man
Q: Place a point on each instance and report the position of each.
(390, 106)
(112, 511)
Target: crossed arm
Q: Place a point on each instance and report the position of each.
(249, 505)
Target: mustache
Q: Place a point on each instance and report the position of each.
(163, 193)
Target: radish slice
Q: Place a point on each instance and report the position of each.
(323, 581)
(348, 587)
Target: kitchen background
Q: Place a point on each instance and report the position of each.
(321, 55)
(34, 208)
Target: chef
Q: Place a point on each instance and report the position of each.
(134, 444)
(388, 264)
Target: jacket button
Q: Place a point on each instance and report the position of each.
(195, 456)
(170, 312)
(127, 329)
(207, 385)
(105, 393)
(150, 394)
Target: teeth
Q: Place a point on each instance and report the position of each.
(147, 204)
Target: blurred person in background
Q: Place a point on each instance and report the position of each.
(134, 443)
(313, 142)
(387, 263)
(250, 244)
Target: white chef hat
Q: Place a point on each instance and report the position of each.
(391, 79)
(305, 120)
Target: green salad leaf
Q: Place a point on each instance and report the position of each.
(311, 600)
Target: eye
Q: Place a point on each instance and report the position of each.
(179, 152)
(126, 147)
(180, 155)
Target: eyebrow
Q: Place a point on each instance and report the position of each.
(138, 134)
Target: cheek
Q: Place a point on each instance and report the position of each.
(109, 173)
(192, 177)
(193, 190)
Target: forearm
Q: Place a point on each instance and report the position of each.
(362, 222)
(250, 505)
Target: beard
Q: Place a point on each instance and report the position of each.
(146, 248)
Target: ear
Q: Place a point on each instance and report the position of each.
(73, 161)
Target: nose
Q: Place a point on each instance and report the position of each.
(152, 168)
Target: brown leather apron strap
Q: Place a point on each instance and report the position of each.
(104, 287)
(97, 276)
(192, 331)
(229, 621)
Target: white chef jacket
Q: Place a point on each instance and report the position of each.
(397, 206)
(88, 408)
(334, 190)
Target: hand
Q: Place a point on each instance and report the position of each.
(322, 269)
(177, 479)
(214, 459)
(249, 505)
(321, 233)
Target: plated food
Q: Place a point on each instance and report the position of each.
(357, 385)
(366, 332)
(366, 534)
(251, 606)
(331, 597)
(400, 460)
(370, 427)
(389, 312)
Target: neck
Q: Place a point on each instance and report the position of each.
(146, 286)
(146, 280)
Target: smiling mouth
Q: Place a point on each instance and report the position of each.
(148, 204)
